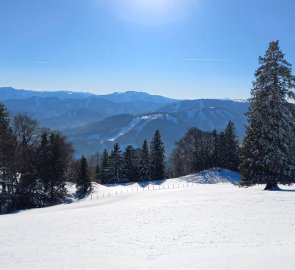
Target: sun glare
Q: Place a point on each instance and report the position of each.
(152, 4)
(153, 11)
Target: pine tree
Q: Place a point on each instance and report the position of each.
(266, 157)
(215, 149)
(59, 157)
(231, 159)
(97, 168)
(157, 168)
(104, 170)
(116, 167)
(27, 188)
(83, 181)
(221, 150)
(7, 151)
(130, 164)
(43, 154)
(144, 165)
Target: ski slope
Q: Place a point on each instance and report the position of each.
(195, 226)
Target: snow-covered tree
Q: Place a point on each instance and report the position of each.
(157, 158)
(266, 157)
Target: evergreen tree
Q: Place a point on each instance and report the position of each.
(83, 181)
(59, 157)
(41, 165)
(231, 158)
(221, 150)
(266, 155)
(130, 164)
(157, 157)
(104, 170)
(144, 165)
(97, 168)
(7, 151)
(28, 189)
(215, 150)
(43, 155)
(29, 192)
(116, 167)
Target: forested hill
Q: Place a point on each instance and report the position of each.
(94, 122)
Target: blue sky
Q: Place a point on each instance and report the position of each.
(178, 48)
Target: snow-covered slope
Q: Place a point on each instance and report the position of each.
(196, 226)
(133, 129)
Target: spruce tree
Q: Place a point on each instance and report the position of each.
(60, 153)
(215, 148)
(221, 150)
(231, 157)
(157, 157)
(116, 167)
(97, 172)
(266, 155)
(130, 164)
(43, 154)
(83, 181)
(144, 165)
(7, 151)
(104, 169)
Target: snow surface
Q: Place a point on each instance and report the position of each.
(195, 226)
(138, 123)
(125, 129)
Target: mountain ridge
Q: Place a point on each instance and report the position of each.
(95, 122)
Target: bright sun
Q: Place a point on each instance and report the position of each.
(152, 4)
(153, 11)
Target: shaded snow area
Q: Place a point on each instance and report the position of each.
(177, 224)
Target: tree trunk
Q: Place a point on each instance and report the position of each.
(272, 186)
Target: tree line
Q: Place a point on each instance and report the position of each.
(34, 163)
(37, 163)
(199, 150)
(132, 165)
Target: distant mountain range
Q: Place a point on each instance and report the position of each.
(94, 122)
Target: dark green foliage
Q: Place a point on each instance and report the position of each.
(34, 168)
(97, 170)
(193, 153)
(231, 150)
(43, 159)
(60, 152)
(104, 169)
(130, 164)
(215, 153)
(83, 182)
(199, 150)
(116, 165)
(157, 158)
(144, 165)
(7, 141)
(267, 156)
(7, 154)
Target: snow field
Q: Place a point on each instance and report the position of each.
(218, 226)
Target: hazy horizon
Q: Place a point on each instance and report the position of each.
(118, 92)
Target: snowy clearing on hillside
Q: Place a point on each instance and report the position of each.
(199, 226)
